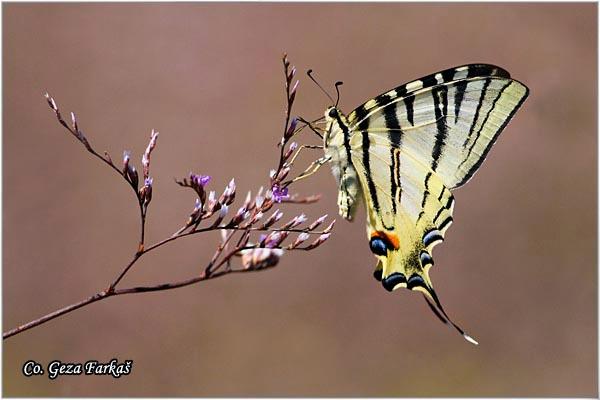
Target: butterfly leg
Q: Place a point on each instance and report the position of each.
(304, 146)
(311, 126)
(312, 168)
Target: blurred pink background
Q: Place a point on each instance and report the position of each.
(518, 269)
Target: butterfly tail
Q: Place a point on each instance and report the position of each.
(439, 311)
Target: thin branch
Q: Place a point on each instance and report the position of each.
(55, 314)
(80, 136)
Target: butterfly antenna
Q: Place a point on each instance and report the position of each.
(441, 314)
(309, 73)
(337, 90)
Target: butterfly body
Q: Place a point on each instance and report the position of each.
(338, 151)
(402, 153)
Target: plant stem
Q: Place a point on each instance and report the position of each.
(56, 314)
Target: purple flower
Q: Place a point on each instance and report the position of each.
(261, 240)
(201, 180)
(279, 193)
(294, 122)
(274, 239)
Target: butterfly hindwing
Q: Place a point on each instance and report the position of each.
(419, 222)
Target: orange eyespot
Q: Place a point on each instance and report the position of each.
(391, 240)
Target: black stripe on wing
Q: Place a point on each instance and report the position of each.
(366, 143)
(477, 164)
(361, 115)
(480, 103)
(395, 137)
(459, 94)
(483, 123)
(476, 70)
(440, 105)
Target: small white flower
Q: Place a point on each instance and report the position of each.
(303, 236)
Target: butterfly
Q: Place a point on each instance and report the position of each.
(402, 153)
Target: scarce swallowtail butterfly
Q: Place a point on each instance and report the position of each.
(404, 151)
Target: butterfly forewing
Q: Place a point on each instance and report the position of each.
(449, 126)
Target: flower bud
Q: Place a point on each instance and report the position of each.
(299, 240)
(294, 122)
(276, 216)
(317, 222)
(221, 216)
(320, 240)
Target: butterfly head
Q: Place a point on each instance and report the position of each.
(332, 113)
(335, 121)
